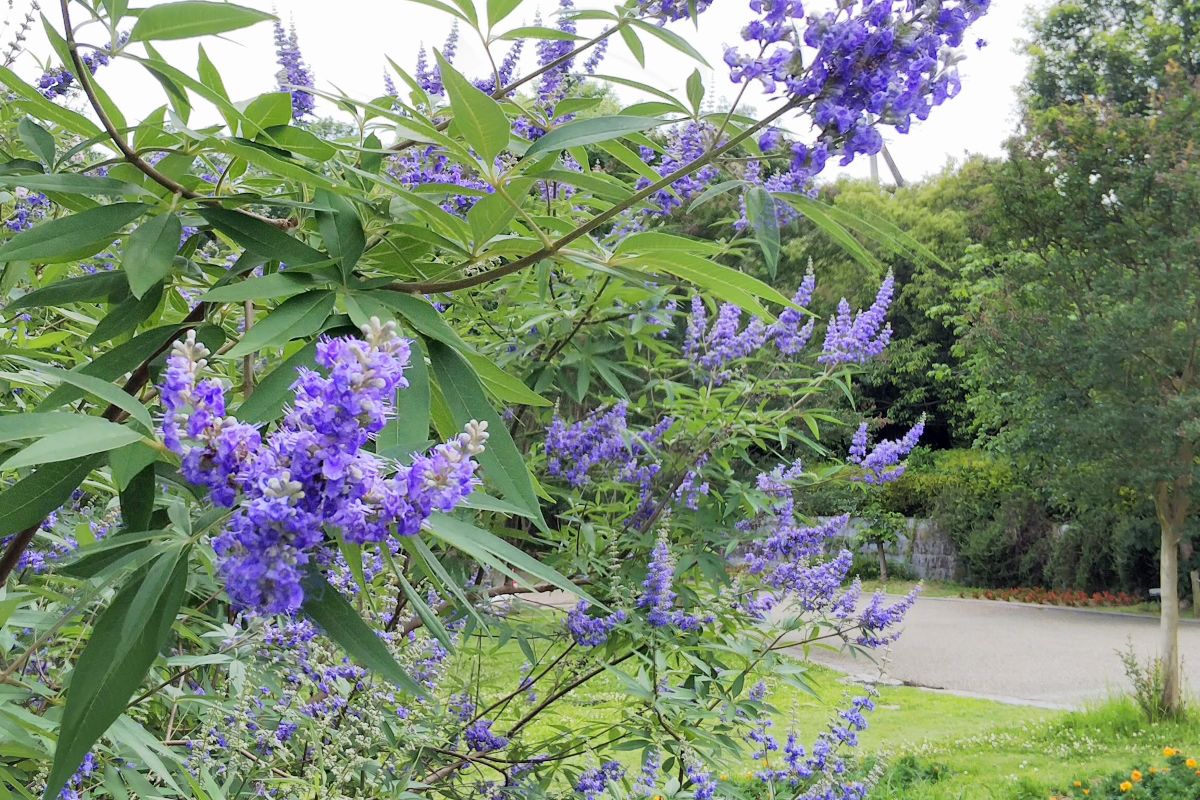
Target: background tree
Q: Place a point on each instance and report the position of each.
(1086, 341)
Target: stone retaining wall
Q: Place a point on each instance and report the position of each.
(927, 551)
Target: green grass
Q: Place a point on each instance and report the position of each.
(936, 746)
(1033, 761)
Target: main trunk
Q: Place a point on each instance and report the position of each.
(1169, 617)
(883, 574)
(1194, 575)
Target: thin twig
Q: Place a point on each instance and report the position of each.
(131, 155)
(433, 287)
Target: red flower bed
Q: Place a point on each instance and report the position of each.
(1055, 597)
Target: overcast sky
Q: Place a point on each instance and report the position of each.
(346, 44)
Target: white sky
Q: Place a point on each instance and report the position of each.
(345, 44)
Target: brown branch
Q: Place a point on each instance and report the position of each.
(113, 413)
(433, 287)
(127, 151)
(505, 91)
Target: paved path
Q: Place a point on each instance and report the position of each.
(1037, 655)
(1057, 657)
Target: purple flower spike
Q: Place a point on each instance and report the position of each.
(294, 75)
(857, 338)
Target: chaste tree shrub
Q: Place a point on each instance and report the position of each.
(294, 408)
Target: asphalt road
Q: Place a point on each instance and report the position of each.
(1057, 657)
(1035, 655)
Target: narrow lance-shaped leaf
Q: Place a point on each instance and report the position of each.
(267, 240)
(501, 461)
(760, 211)
(37, 139)
(150, 251)
(123, 645)
(325, 606)
(479, 118)
(28, 501)
(341, 230)
(296, 318)
(590, 131)
(409, 429)
(98, 437)
(74, 237)
(190, 18)
(84, 289)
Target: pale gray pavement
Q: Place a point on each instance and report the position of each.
(1040, 655)
(1059, 657)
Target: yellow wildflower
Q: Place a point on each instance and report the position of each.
(1126, 786)
(1170, 751)
(1087, 792)
(1190, 763)
(724, 776)
(1078, 784)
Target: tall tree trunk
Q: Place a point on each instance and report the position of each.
(1169, 620)
(1170, 509)
(883, 573)
(1195, 577)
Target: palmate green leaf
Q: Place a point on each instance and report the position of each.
(760, 212)
(74, 237)
(150, 252)
(28, 501)
(296, 318)
(591, 131)
(326, 607)
(82, 440)
(72, 183)
(473, 540)
(479, 119)
(124, 644)
(502, 462)
(84, 289)
(190, 18)
(261, 238)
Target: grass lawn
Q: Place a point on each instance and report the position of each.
(937, 746)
